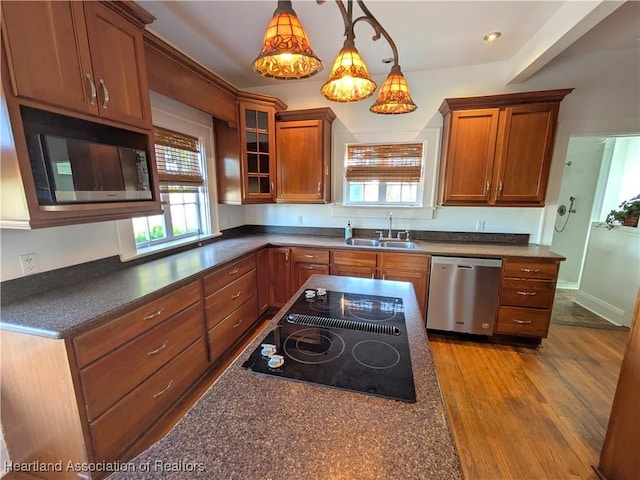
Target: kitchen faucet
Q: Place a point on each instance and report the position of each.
(390, 234)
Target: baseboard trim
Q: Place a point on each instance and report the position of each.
(601, 308)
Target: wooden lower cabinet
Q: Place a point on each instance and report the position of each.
(279, 262)
(404, 267)
(526, 297)
(104, 389)
(308, 262)
(231, 304)
(262, 280)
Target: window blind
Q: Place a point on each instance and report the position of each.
(177, 160)
(388, 163)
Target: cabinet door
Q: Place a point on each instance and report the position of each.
(406, 267)
(279, 260)
(262, 280)
(302, 272)
(48, 53)
(353, 264)
(302, 169)
(524, 154)
(117, 55)
(469, 156)
(257, 145)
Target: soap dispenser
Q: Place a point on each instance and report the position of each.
(348, 231)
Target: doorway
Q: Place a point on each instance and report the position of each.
(592, 184)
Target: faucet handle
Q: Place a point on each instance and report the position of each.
(379, 232)
(406, 232)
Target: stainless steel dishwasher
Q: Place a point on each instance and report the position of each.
(463, 294)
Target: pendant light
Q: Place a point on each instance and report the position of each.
(349, 79)
(394, 97)
(286, 53)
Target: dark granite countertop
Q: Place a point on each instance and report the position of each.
(72, 308)
(252, 426)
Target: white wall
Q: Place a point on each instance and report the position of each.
(580, 180)
(611, 273)
(606, 100)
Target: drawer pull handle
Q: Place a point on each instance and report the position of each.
(306, 255)
(527, 294)
(530, 270)
(236, 325)
(373, 275)
(234, 271)
(105, 93)
(487, 188)
(161, 392)
(159, 349)
(93, 90)
(521, 322)
(233, 297)
(155, 314)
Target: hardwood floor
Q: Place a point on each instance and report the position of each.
(519, 413)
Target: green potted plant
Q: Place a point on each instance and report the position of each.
(627, 215)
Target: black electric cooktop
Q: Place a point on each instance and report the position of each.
(341, 340)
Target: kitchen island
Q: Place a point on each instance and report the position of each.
(253, 426)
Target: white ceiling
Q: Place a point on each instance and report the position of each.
(225, 36)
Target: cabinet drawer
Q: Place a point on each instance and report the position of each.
(128, 419)
(101, 340)
(527, 293)
(223, 276)
(523, 321)
(310, 255)
(110, 378)
(219, 305)
(223, 335)
(353, 259)
(404, 261)
(526, 269)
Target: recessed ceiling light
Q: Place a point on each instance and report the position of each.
(490, 37)
(387, 60)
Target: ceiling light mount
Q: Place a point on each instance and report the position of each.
(492, 36)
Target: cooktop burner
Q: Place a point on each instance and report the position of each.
(342, 340)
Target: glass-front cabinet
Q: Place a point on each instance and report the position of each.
(257, 130)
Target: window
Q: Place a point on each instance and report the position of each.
(179, 160)
(384, 174)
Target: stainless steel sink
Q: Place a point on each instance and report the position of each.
(362, 242)
(397, 244)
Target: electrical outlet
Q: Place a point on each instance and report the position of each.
(299, 219)
(28, 263)
(479, 225)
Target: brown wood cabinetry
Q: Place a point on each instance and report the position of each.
(303, 156)
(231, 304)
(103, 389)
(279, 261)
(307, 262)
(497, 149)
(81, 56)
(80, 66)
(246, 154)
(262, 279)
(404, 267)
(526, 297)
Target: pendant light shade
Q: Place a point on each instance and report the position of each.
(349, 79)
(286, 53)
(394, 96)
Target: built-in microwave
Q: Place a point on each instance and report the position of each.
(71, 170)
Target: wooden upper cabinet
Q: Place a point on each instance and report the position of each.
(497, 149)
(524, 156)
(47, 49)
(85, 57)
(246, 153)
(117, 53)
(470, 155)
(303, 156)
